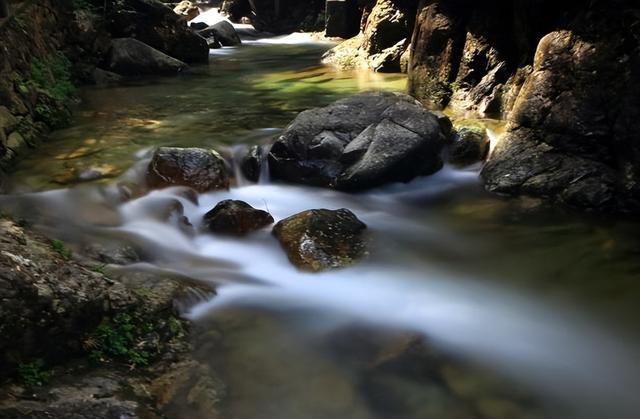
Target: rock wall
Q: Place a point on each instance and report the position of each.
(573, 129)
(384, 37)
(28, 53)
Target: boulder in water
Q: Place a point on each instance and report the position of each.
(155, 24)
(360, 142)
(223, 32)
(236, 217)
(131, 57)
(321, 239)
(469, 146)
(251, 163)
(197, 168)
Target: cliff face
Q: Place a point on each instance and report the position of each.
(565, 76)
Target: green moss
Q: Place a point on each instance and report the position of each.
(60, 248)
(33, 374)
(51, 78)
(101, 269)
(120, 339)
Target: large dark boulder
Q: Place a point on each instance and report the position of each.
(317, 240)
(223, 32)
(131, 57)
(236, 218)
(155, 24)
(360, 142)
(200, 169)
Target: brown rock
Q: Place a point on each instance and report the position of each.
(200, 169)
(236, 217)
(317, 240)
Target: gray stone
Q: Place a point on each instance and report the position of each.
(131, 57)
(223, 32)
(360, 142)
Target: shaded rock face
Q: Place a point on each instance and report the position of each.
(223, 32)
(572, 134)
(278, 16)
(384, 38)
(131, 57)
(200, 169)
(317, 240)
(236, 218)
(358, 143)
(155, 24)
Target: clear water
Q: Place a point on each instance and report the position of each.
(526, 311)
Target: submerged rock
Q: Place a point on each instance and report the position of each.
(360, 142)
(131, 57)
(321, 239)
(197, 168)
(236, 217)
(223, 32)
(469, 146)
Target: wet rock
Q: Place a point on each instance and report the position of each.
(155, 24)
(469, 146)
(236, 9)
(187, 10)
(131, 57)
(236, 217)
(200, 169)
(104, 78)
(360, 142)
(251, 163)
(198, 26)
(317, 240)
(223, 32)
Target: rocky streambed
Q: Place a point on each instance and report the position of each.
(268, 243)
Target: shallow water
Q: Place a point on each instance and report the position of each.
(527, 311)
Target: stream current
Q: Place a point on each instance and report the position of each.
(524, 311)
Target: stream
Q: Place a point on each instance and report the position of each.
(527, 311)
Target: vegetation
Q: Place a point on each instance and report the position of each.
(59, 247)
(120, 339)
(33, 374)
(51, 77)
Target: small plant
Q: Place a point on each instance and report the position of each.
(101, 269)
(60, 248)
(33, 374)
(119, 339)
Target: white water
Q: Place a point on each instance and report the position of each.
(558, 353)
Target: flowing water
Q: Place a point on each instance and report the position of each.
(468, 305)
